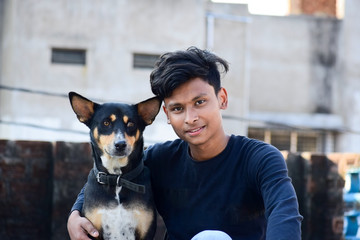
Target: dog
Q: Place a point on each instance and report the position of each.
(117, 197)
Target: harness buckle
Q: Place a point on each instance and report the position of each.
(98, 177)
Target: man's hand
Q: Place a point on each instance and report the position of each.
(79, 227)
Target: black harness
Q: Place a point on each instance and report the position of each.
(121, 180)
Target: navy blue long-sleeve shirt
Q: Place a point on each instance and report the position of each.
(244, 191)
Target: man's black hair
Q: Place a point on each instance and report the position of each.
(175, 68)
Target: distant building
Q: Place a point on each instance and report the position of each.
(293, 81)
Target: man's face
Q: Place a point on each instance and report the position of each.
(193, 110)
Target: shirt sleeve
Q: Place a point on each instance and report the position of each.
(280, 201)
(79, 201)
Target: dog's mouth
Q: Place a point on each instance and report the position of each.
(113, 162)
(116, 153)
(118, 149)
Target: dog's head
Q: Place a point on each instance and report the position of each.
(115, 128)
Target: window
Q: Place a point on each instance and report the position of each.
(256, 133)
(281, 139)
(68, 56)
(291, 140)
(306, 142)
(145, 60)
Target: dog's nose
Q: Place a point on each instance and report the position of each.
(120, 146)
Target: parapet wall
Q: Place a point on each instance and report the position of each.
(39, 182)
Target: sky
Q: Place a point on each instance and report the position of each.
(264, 7)
(276, 7)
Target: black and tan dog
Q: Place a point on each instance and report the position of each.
(118, 198)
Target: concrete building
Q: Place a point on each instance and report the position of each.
(293, 81)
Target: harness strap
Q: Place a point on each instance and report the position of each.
(121, 180)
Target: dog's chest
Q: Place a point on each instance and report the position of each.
(118, 223)
(121, 223)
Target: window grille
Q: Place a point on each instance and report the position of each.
(256, 133)
(306, 142)
(145, 60)
(68, 56)
(281, 139)
(298, 141)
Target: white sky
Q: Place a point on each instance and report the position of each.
(276, 7)
(264, 7)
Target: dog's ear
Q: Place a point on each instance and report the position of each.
(83, 107)
(148, 109)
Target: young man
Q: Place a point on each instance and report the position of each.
(206, 179)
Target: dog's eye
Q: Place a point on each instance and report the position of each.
(130, 125)
(106, 123)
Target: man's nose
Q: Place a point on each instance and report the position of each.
(191, 116)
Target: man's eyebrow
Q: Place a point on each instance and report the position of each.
(174, 104)
(199, 96)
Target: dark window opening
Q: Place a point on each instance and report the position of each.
(68, 56)
(145, 60)
(255, 133)
(281, 139)
(306, 143)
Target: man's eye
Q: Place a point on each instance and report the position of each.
(176, 109)
(200, 102)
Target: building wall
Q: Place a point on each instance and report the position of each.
(110, 31)
(350, 82)
(1, 31)
(295, 67)
(295, 57)
(280, 65)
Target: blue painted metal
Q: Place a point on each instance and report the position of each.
(351, 198)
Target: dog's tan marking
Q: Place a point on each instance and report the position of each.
(137, 135)
(106, 140)
(125, 119)
(96, 133)
(131, 139)
(123, 161)
(143, 218)
(95, 217)
(113, 117)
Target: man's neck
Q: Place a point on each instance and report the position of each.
(210, 149)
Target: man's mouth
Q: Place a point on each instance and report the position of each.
(195, 131)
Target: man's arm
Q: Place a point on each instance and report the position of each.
(79, 227)
(281, 206)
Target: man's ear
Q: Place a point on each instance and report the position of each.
(223, 98)
(166, 113)
(83, 107)
(149, 109)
